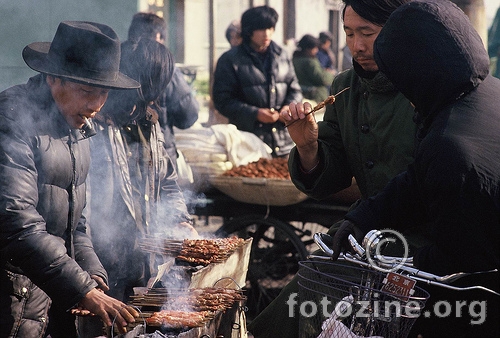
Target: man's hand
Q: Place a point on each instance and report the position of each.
(108, 309)
(267, 115)
(188, 229)
(340, 241)
(100, 283)
(303, 132)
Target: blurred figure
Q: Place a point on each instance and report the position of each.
(325, 54)
(233, 33)
(143, 197)
(346, 58)
(233, 36)
(494, 44)
(313, 79)
(179, 107)
(254, 81)
(133, 190)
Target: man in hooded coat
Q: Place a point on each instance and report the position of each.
(433, 55)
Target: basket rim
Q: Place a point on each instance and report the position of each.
(238, 179)
(423, 295)
(259, 190)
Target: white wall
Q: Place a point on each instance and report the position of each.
(311, 18)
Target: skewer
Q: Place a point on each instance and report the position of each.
(329, 100)
(193, 251)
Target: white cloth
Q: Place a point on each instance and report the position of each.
(333, 328)
(240, 147)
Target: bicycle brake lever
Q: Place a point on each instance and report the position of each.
(356, 247)
(324, 241)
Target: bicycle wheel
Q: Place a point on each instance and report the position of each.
(276, 251)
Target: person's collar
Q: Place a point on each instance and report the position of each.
(376, 82)
(361, 72)
(273, 48)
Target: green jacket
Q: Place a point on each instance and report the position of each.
(313, 79)
(368, 134)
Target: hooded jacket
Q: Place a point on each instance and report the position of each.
(434, 56)
(43, 167)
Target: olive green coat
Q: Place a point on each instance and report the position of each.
(368, 134)
(313, 79)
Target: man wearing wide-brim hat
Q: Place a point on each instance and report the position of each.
(49, 269)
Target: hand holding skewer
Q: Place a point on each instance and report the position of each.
(329, 100)
(305, 133)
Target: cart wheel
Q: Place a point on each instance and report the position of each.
(276, 251)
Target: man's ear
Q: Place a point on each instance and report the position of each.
(50, 79)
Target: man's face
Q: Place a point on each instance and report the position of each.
(235, 39)
(76, 100)
(261, 39)
(360, 36)
(159, 38)
(326, 45)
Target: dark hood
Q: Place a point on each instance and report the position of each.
(431, 53)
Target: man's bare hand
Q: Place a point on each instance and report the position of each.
(101, 285)
(189, 230)
(267, 115)
(108, 309)
(304, 132)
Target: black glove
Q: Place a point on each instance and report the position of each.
(340, 241)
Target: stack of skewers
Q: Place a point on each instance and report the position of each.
(185, 309)
(194, 251)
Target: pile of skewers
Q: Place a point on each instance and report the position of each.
(201, 299)
(194, 251)
(184, 320)
(183, 308)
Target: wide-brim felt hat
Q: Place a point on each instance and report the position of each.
(81, 51)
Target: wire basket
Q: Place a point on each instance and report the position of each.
(338, 299)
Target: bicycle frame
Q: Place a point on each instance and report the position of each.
(400, 265)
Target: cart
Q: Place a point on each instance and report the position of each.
(282, 236)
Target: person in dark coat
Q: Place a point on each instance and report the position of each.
(49, 266)
(179, 107)
(135, 164)
(140, 182)
(233, 33)
(452, 189)
(255, 81)
(368, 134)
(494, 43)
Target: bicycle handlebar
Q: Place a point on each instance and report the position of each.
(402, 265)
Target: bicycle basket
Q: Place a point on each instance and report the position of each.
(339, 299)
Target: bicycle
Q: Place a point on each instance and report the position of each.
(364, 293)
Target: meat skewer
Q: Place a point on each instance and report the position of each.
(329, 100)
(196, 251)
